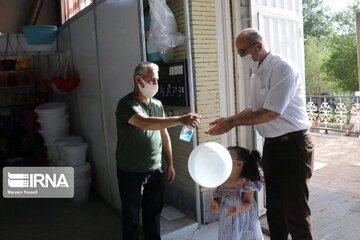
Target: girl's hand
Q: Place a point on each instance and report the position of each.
(233, 210)
(214, 207)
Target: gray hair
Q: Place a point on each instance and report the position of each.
(142, 68)
(253, 35)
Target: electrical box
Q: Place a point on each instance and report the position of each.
(173, 84)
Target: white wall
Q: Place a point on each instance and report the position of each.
(119, 52)
(105, 48)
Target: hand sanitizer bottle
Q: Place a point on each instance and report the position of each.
(186, 133)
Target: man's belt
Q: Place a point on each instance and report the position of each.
(286, 136)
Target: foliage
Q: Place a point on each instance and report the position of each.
(330, 48)
(341, 64)
(316, 80)
(317, 19)
(345, 20)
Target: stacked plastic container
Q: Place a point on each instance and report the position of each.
(72, 152)
(54, 124)
(59, 143)
(65, 150)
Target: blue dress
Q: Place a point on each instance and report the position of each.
(242, 225)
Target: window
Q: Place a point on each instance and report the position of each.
(71, 7)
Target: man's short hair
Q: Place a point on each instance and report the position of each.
(253, 35)
(142, 68)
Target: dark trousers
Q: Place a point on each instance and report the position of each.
(141, 191)
(287, 169)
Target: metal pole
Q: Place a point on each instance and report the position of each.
(142, 30)
(35, 11)
(358, 43)
(192, 97)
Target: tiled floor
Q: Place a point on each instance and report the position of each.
(335, 187)
(334, 192)
(334, 200)
(337, 162)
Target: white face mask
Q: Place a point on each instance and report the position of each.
(248, 62)
(149, 90)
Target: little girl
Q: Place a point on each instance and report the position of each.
(234, 200)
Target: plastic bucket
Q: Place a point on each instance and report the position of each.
(51, 135)
(60, 162)
(62, 141)
(50, 111)
(24, 64)
(82, 171)
(8, 64)
(39, 34)
(54, 123)
(81, 190)
(154, 57)
(75, 153)
(52, 154)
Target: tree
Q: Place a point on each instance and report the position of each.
(345, 20)
(317, 19)
(341, 63)
(316, 80)
(330, 47)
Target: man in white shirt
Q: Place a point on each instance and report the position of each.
(278, 110)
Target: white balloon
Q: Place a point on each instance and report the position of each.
(210, 164)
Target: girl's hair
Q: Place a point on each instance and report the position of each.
(251, 161)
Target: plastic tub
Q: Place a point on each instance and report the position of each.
(63, 141)
(81, 190)
(44, 34)
(52, 154)
(60, 162)
(154, 57)
(54, 123)
(24, 64)
(50, 111)
(75, 153)
(51, 135)
(83, 171)
(8, 64)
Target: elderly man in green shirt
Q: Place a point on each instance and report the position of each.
(142, 138)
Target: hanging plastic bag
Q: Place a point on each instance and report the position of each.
(163, 34)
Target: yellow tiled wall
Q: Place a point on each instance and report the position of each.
(204, 49)
(204, 53)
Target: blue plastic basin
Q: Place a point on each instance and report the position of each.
(39, 34)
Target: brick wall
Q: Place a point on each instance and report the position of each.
(204, 47)
(204, 53)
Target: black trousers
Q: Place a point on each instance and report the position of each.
(287, 169)
(141, 191)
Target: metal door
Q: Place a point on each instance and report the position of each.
(281, 23)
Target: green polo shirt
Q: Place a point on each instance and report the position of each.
(138, 150)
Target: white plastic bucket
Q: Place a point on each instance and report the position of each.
(81, 190)
(75, 153)
(60, 162)
(50, 110)
(52, 154)
(83, 171)
(54, 123)
(51, 135)
(62, 141)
